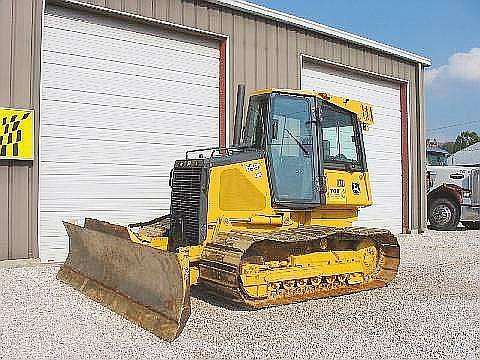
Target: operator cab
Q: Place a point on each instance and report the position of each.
(302, 135)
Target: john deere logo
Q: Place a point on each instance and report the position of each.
(16, 134)
(356, 188)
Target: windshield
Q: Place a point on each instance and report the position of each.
(291, 149)
(340, 147)
(436, 159)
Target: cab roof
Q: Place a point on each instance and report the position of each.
(363, 110)
(289, 91)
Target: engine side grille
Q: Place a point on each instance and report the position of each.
(185, 205)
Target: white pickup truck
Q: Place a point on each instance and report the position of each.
(453, 193)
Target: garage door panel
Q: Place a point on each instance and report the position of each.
(345, 89)
(339, 89)
(148, 57)
(52, 220)
(124, 53)
(384, 120)
(123, 135)
(140, 55)
(111, 187)
(110, 29)
(88, 150)
(166, 72)
(363, 84)
(117, 110)
(382, 140)
(105, 169)
(381, 149)
(122, 85)
(54, 230)
(120, 103)
(126, 204)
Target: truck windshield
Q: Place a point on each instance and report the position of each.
(436, 158)
(291, 149)
(340, 147)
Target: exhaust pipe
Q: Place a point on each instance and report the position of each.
(239, 114)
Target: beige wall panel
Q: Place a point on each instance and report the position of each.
(293, 74)
(250, 55)
(114, 4)
(160, 9)
(421, 149)
(320, 47)
(6, 20)
(330, 50)
(175, 10)
(21, 98)
(238, 59)
(227, 29)
(344, 53)
(413, 145)
(395, 71)
(146, 8)
(201, 17)
(33, 174)
(381, 65)
(337, 51)
(22, 53)
(19, 213)
(215, 20)
(131, 6)
(282, 56)
(188, 13)
(5, 215)
(261, 63)
(311, 40)
(388, 65)
(301, 42)
(272, 67)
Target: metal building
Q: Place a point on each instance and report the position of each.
(120, 88)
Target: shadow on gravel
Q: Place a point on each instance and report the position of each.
(203, 295)
(459, 228)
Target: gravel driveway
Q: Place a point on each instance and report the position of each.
(431, 310)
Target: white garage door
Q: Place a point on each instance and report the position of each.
(382, 141)
(120, 102)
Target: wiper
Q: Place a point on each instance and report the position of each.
(304, 149)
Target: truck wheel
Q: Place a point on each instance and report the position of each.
(443, 214)
(471, 225)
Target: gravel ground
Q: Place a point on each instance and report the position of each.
(431, 310)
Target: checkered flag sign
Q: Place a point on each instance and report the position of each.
(16, 134)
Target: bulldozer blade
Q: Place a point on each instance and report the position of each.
(147, 286)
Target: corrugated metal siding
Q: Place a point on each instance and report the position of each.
(263, 53)
(19, 79)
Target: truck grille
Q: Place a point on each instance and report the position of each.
(475, 187)
(185, 206)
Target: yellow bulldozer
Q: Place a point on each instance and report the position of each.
(263, 223)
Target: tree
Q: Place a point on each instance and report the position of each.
(465, 139)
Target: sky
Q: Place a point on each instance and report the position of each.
(446, 31)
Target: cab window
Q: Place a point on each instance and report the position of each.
(340, 138)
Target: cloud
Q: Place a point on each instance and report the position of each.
(461, 66)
